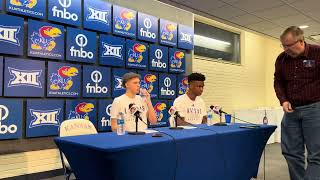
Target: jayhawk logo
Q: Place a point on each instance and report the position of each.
(45, 38)
(167, 32)
(123, 21)
(147, 82)
(26, 3)
(135, 54)
(159, 108)
(183, 86)
(176, 59)
(63, 79)
(81, 111)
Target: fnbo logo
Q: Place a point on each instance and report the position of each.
(4, 129)
(166, 91)
(63, 13)
(82, 42)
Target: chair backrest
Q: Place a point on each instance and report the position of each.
(75, 127)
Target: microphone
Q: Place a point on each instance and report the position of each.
(174, 114)
(220, 112)
(135, 111)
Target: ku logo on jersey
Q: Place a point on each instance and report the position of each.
(176, 59)
(41, 118)
(44, 39)
(24, 77)
(123, 21)
(98, 15)
(147, 82)
(24, 3)
(159, 108)
(63, 79)
(183, 86)
(167, 32)
(135, 54)
(9, 34)
(81, 111)
(112, 50)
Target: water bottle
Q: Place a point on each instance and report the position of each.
(172, 121)
(210, 117)
(265, 119)
(120, 122)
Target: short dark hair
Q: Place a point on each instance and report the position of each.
(196, 77)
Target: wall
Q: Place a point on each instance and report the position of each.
(248, 85)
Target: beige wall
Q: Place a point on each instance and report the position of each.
(249, 85)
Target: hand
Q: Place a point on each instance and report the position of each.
(145, 93)
(287, 107)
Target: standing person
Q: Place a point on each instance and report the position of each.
(297, 86)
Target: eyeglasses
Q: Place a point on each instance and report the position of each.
(288, 45)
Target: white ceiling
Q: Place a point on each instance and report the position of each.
(270, 17)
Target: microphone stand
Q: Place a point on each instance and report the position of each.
(176, 124)
(220, 123)
(137, 132)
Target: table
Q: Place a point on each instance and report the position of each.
(221, 153)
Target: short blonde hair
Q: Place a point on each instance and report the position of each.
(295, 31)
(128, 76)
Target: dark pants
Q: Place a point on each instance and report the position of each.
(300, 130)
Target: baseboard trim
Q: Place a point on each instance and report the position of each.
(40, 175)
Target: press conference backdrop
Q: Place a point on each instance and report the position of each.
(64, 59)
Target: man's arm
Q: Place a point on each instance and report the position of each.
(114, 124)
(182, 122)
(204, 120)
(279, 82)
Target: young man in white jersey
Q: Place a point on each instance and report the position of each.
(131, 81)
(191, 106)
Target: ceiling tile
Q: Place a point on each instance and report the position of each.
(296, 20)
(245, 19)
(226, 12)
(262, 26)
(277, 12)
(257, 5)
(204, 5)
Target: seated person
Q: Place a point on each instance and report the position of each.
(191, 106)
(131, 82)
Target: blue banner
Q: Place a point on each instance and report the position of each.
(150, 82)
(33, 8)
(1, 4)
(65, 11)
(124, 21)
(104, 119)
(177, 60)
(161, 108)
(137, 54)
(24, 78)
(97, 15)
(182, 84)
(44, 117)
(96, 81)
(1, 75)
(167, 86)
(63, 80)
(12, 34)
(117, 89)
(82, 109)
(148, 27)
(185, 37)
(45, 40)
(11, 118)
(158, 58)
(168, 33)
(112, 50)
(81, 45)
